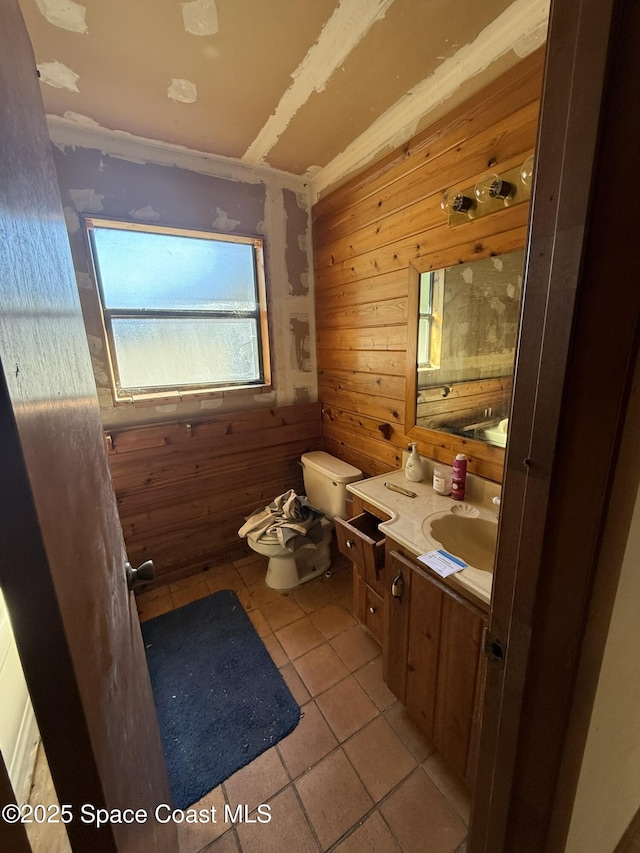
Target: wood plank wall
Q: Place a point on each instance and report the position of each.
(367, 233)
(183, 490)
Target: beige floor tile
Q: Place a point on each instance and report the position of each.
(190, 593)
(253, 572)
(189, 580)
(380, 758)
(257, 782)
(347, 602)
(249, 557)
(346, 707)
(259, 623)
(372, 837)
(288, 830)
(421, 818)
(261, 594)
(276, 651)
(333, 797)
(332, 619)
(310, 741)
(299, 637)
(155, 607)
(355, 646)
(450, 784)
(282, 611)
(151, 594)
(224, 577)
(312, 596)
(340, 583)
(370, 677)
(194, 836)
(45, 837)
(320, 669)
(244, 597)
(295, 684)
(225, 844)
(409, 732)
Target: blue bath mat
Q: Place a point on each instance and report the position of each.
(219, 697)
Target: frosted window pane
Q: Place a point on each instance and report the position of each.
(161, 353)
(144, 270)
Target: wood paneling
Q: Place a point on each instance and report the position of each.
(366, 235)
(183, 490)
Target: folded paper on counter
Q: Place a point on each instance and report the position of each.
(442, 563)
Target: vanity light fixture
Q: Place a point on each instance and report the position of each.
(453, 201)
(491, 193)
(493, 186)
(526, 170)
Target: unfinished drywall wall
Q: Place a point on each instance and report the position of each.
(245, 202)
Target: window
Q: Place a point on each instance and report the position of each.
(429, 320)
(184, 311)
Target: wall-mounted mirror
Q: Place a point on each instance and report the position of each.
(463, 348)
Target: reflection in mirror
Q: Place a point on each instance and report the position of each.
(468, 320)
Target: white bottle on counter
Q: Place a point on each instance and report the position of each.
(413, 465)
(442, 480)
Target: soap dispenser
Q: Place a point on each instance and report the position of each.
(413, 465)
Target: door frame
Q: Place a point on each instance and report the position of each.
(561, 460)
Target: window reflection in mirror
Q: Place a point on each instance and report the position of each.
(468, 319)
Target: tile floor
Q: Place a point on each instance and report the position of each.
(356, 775)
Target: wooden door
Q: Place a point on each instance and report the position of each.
(62, 555)
(553, 587)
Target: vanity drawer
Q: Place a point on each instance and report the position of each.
(360, 540)
(373, 616)
(369, 608)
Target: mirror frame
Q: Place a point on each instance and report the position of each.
(487, 460)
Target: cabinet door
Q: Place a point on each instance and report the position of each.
(433, 661)
(423, 658)
(395, 646)
(458, 684)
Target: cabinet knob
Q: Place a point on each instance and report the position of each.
(373, 609)
(350, 543)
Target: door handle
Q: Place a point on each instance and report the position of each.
(144, 572)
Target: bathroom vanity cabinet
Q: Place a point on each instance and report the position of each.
(431, 636)
(433, 659)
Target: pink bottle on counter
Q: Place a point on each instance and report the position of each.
(459, 477)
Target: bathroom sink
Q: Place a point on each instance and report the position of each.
(465, 533)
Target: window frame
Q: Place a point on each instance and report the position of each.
(433, 280)
(260, 314)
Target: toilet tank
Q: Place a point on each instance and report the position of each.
(325, 481)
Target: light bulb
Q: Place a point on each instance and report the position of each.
(492, 186)
(526, 170)
(455, 202)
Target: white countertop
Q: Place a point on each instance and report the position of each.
(408, 514)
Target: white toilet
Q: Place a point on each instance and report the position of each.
(325, 485)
